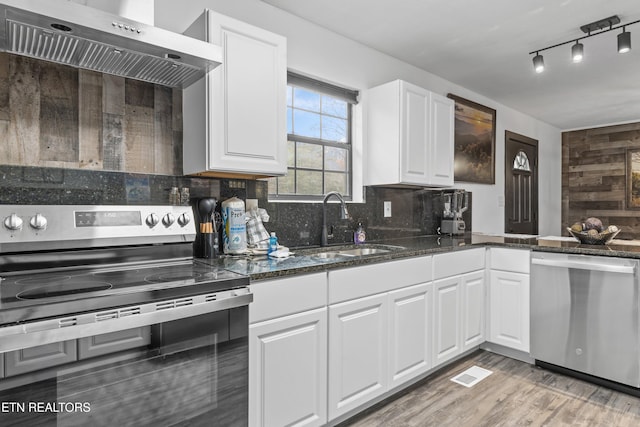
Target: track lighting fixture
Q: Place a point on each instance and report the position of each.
(593, 29)
(538, 63)
(577, 52)
(624, 41)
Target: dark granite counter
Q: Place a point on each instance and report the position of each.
(307, 260)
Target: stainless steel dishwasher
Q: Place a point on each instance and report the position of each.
(584, 315)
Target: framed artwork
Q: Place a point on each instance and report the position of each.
(633, 179)
(475, 142)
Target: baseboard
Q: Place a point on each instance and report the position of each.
(508, 352)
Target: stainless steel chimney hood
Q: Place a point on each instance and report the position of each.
(72, 34)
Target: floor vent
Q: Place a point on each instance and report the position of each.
(471, 376)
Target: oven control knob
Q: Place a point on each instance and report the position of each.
(13, 222)
(38, 221)
(152, 220)
(184, 219)
(168, 219)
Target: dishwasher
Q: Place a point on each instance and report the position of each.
(584, 317)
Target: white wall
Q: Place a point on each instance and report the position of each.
(326, 55)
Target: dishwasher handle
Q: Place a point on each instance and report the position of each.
(608, 268)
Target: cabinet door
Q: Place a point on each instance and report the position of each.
(509, 309)
(288, 365)
(441, 143)
(40, 357)
(473, 304)
(357, 353)
(112, 342)
(235, 118)
(415, 134)
(410, 331)
(447, 342)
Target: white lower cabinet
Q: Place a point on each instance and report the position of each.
(447, 319)
(509, 298)
(473, 309)
(410, 323)
(458, 303)
(288, 352)
(509, 302)
(357, 353)
(288, 362)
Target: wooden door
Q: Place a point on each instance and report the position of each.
(521, 184)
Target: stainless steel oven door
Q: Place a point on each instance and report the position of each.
(190, 370)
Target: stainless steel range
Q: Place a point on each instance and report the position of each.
(106, 318)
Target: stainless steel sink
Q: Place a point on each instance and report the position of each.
(329, 255)
(363, 251)
(338, 253)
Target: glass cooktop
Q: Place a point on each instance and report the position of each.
(52, 293)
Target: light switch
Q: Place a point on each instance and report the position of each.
(387, 209)
(501, 201)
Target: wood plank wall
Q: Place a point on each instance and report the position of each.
(58, 116)
(594, 177)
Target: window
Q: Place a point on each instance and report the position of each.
(318, 141)
(521, 162)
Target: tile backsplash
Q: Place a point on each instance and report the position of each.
(415, 212)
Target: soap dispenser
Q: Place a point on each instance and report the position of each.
(359, 236)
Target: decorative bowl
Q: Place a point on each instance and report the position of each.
(602, 238)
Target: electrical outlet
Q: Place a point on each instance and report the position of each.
(387, 209)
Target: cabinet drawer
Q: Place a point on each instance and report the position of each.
(458, 262)
(516, 260)
(40, 357)
(357, 282)
(112, 342)
(282, 297)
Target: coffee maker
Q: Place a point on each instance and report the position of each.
(455, 204)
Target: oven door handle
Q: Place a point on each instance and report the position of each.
(27, 335)
(608, 268)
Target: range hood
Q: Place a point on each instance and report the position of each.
(76, 35)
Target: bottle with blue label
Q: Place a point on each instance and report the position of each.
(273, 243)
(359, 236)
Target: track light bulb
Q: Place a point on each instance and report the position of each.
(577, 52)
(624, 41)
(538, 63)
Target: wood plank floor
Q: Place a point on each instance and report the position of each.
(516, 394)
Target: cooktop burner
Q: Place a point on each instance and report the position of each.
(172, 276)
(63, 289)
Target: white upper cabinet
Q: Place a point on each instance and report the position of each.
(235, 117)
(409, 136)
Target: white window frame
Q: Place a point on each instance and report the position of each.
(356, 155)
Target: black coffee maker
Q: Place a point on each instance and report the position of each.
(206, 243)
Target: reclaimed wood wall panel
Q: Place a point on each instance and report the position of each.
(57, 116)
(90, 120)
(23, 136)
(594, 177)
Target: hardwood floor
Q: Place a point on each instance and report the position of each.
(516, 394)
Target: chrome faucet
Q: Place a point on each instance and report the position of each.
(344, 214)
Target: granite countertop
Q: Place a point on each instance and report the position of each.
(306, 260)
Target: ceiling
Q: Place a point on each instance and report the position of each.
(484, 46)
